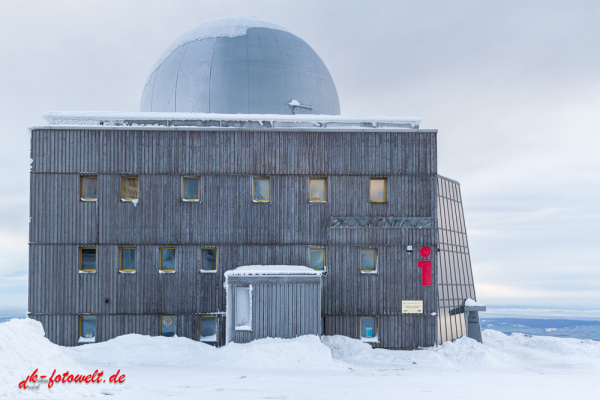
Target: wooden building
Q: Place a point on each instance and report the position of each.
(137, 217)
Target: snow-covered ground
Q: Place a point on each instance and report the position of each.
(335, 367)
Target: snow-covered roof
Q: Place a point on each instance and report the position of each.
(248, 270)
(257, 121)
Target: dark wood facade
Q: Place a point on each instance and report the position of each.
(279, 232)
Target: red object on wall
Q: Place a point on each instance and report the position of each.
(425, 252)
(425, 272)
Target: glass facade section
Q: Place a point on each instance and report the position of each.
(317, 190)
(89, 188)
(454, 277)
(261, 190)
(378, 190)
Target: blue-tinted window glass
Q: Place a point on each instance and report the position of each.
(167, 326)
(316, 258)
(209, 259)
(128, 259)
(88, 327)
(88, 259)
(209, 327)
(368, 327)
(167, 259)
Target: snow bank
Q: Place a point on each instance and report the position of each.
(23, 348)
(516, 366)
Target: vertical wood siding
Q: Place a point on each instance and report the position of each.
(245, 233)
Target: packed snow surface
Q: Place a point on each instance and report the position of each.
(185, 119)
(473, 303)
(333, 367)
(272, 270)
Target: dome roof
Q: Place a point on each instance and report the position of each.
(240, 65)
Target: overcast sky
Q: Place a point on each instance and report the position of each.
(513, 88)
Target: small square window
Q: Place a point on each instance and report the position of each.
(87, 259)
(127, 259)
(89, 188)
(261, 190)
(166, 259)
(378, 191)
(368, 260)
(243, 311)
(167, 325)
(368, 328)
(130, 188)
(208, 328)
(208, 260)
(191, 189)
(316, 258)
(87, 328)
(318, 190)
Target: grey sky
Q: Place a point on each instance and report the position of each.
(512, 86)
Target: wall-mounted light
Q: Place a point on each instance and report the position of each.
(409, 248)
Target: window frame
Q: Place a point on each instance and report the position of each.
(160, 324)
(160, 268)
(384, 190)
(81, 317)
(310, 180)
(310, 249)
(249, 326)
(183, 181)
(209, 271)
(127, 199)
(82, 178)
(264, 178)
(216, 328)
(375, 336)
(81, 269)
(127, 271)
(369, 271)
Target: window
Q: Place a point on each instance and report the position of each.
(167, 325)
(368, 328)
(378, 191)
(318, 190)
(243, 309)
(208, 260)
(368, 260)
(316, 258)
(130, 188)
(261, 190)
(208, 328)
(191, 189)
(87, 328)
(87, 259)
(89, 188)
(127, 259)
(166, 259)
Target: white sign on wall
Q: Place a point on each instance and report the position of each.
(412, 306)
